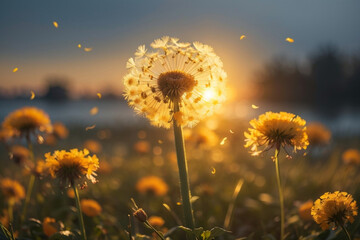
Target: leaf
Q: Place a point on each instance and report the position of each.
(4, 233)
(217, 231)
(206, 235)
(141, 237)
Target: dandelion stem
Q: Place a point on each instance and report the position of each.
(10, 210)
(345, 231)
(183, 172)
(281, 196)
(154, 229)
(31, 181)
(81, 220)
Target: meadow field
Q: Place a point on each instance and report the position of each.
(139, 162)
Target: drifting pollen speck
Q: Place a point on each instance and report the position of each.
(290, 40)
(213, 171)
(94, 111)
(15, 69)
(99, 95)
(254, 106)
(242, 37)
(32, 95)
(79, 45)
(223, 141)
(90, 127)
(56, 25)
(87, 49)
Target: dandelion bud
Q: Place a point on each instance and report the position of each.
(140, 215)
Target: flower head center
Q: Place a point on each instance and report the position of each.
(174, 84)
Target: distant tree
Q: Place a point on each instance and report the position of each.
(327, 72)
(57, 88)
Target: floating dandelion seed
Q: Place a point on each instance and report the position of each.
(32, 95)
(213, 171)
(56, 25)
(99, 95)
(223, 141)
(290, 40)
(79, 45)
(254, 106)
(90, 127)
(242, 37)
(94, 111)
(231, 131)
(183, 74)
(15, 69)
(88, 49)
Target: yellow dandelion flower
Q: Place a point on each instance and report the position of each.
(174, 73)
(275, 130)
(93, 146)
(19, 154)
(4, 218)
(60, 130)
(156, 221)
(73, 165)
(90, 208)
(6, 134)
(12, 190)
(152, 185)
(142, 146)
(305, 210)
(40, 168)
(28, 120)
(334, 209)
(351, 156)
(49, 226)
(318, 134)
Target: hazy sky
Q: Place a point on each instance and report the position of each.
(115, 28)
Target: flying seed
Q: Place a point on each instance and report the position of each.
(213, 171)
(290, 40)
(223, 141)
(90, 127)
(254, 106)
(94, 111)
(15, 69)
(242, 37)
(32, 95)
(99, 95)
(87, 49)
(56, 25)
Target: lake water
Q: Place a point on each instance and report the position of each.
(116, 113)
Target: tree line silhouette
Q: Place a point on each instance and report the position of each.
(328, 81)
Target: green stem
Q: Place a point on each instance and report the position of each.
(10, 211)
(81, 220)
(154, 229)
(183, 172)
(281, 196)
(31, 181)
(345, 231)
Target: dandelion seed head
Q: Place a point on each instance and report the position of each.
(189, 74)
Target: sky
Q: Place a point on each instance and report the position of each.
(115, 28)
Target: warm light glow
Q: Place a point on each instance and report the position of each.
(209, 94)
